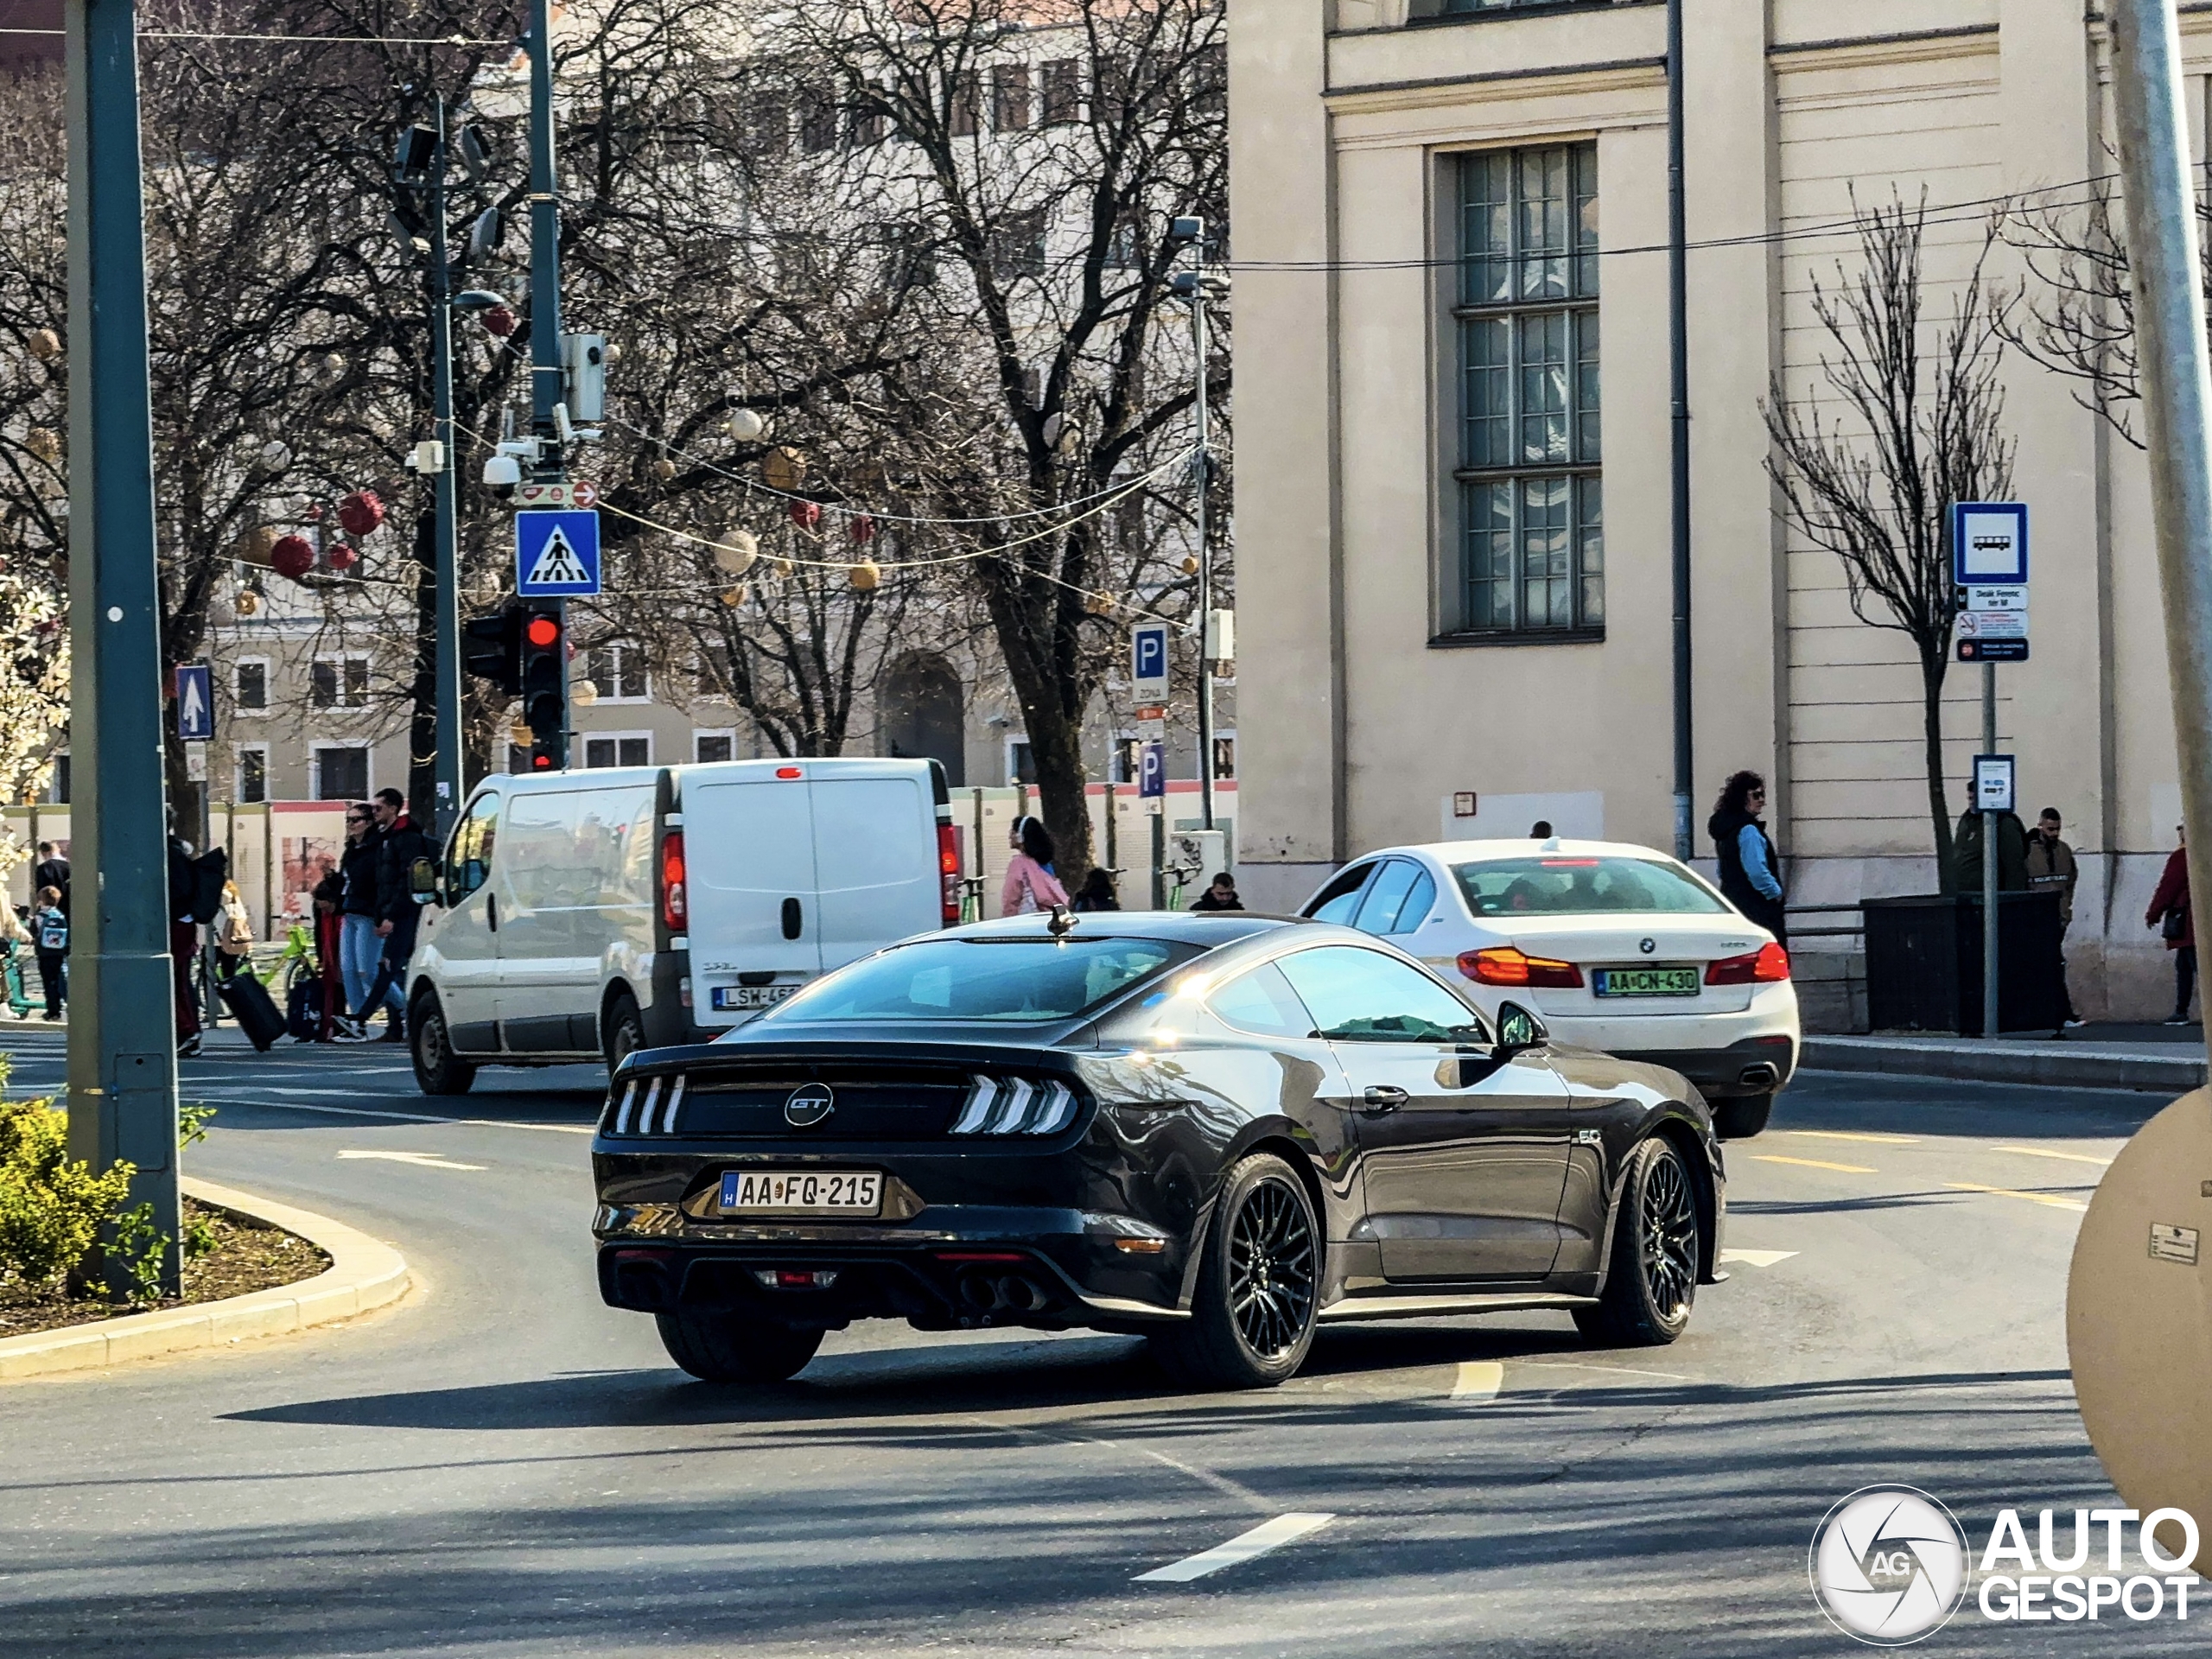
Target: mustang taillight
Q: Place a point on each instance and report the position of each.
(1015, 1106)
(650, 1110)
(675, 908)
(948, 865)
(1503, 965)
(1764, 966)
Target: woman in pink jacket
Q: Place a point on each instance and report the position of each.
(1030, 884)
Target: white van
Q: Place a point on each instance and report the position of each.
(577, 915)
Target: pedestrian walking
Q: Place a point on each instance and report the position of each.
(360, 946)
(52, 871)
(1540, 830)
(50, 940)
(16, 949)
(1750, 873)
(2051, 869)
(1097, 892)
(401, 843)
(2170, 913)
(184, 945)
(1030, 884)
(1220, 895)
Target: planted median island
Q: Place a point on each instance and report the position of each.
(53, 1210)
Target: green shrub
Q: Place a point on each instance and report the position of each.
(50, 1209)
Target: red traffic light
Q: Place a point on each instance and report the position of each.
(541, 631)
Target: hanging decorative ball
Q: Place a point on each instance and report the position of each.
(249, 601)
(293, 557)
(784, 468)
(735, 553)
(275, 454)
(333, 367)
(344, 557)
(1190, 564)
(221, 612)
(781, 566)
(499, 320)
(583, 694)
(663, 469)
(861, 527)
(806, 514)
(258, 543)
(735, 596)
(747, 426)
(44, 344)
(1099, 604)
(613, 352)
(45, 442)
(865, 575)
(361, 513)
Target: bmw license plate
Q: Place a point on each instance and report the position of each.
(727, 997)
(802, 1191)
(1645, 982)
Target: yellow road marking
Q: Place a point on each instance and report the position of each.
(2044, 1152)
(2007, 1192)
(1812, 1163)
(1854, 1134)
(1479, 1381)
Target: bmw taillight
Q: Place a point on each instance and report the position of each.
(948, 865)
(1503, 965)
(1764, 966)
(675, 910)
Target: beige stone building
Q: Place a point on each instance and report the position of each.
(1427, 617)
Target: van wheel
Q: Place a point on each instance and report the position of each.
(438, 1069)
(622, 1029)
(1741, 1118)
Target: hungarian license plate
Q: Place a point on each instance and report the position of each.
(1645, 982)
(751, 996)
(802, 1191)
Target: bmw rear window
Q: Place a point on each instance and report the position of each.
(1565, 885)
(1006, 981)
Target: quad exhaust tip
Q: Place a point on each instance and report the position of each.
(1003, 1292)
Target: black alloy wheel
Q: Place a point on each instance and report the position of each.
(1259, 1283)
(1652, 1282)
(438, 1069)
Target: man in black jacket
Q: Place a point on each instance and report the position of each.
(53, 871)
(399, 845)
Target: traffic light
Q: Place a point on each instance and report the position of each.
(545, 665)
(492, 648)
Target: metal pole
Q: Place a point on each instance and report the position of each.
(1201, 466)
(1989, 900)
(1678, 330)
(546, 296)
(121, 1053)
(2176, 380)
(446, 529)
(1159, 856)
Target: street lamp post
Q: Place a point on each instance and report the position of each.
(122, 1052)
(1197, 286)
(545, 410)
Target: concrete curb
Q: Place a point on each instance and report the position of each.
(364, 1273)
(2043, 1065)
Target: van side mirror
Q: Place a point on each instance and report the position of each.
(422, 882)
(1518, 1029)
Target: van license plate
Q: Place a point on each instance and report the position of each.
(802, 1191)
(1645, 982)
(751, 996)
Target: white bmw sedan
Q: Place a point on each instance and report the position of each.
(1614, 947)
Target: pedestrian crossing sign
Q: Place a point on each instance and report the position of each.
(556, 554)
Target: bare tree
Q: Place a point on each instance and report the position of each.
(1921, 429)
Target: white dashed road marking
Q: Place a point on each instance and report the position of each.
(1756, 1258)
(425, 1160)
(1478, 1381)
(1268, 1535)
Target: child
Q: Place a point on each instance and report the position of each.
(50, 938)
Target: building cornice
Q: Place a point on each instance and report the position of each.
(1532, 82)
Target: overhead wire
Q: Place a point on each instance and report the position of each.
(300, 40)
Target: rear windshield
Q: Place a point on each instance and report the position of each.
(1016, 982)
(1566, 886)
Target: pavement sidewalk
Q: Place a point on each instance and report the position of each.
(2158, 1059)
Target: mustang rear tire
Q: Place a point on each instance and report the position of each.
(1741, 1118)
(728, 1348)
(1653, 1280)
(438, 1069)
(1259, 1284)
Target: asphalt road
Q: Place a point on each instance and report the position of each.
(502, 1465)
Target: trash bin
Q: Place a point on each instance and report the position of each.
(1924, 963)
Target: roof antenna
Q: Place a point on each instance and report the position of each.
(1062, 923)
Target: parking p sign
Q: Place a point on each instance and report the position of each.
(1148, 662)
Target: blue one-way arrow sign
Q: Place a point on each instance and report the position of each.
(195, 703)
(556, 554)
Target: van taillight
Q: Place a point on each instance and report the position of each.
(948, 865)
(674, 914)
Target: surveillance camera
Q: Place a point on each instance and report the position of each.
(502, 472)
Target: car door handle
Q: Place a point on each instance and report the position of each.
(492, 911)
(794, 921)
(1380, 1097)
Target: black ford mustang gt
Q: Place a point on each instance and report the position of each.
(1219, 1131)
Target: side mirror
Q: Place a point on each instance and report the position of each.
(1518, 1029)
(423, 881)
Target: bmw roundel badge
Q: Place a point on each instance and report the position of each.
(1647, 946)
(807, 1105)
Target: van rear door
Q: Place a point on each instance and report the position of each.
(749, 874)
(875, 862)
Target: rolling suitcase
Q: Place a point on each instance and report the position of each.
(249, 1005)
